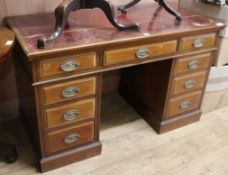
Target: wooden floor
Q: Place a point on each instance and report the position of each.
(131, 147)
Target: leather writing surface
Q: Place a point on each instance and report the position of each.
(84, 30)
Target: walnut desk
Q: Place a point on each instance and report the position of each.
(164, 68)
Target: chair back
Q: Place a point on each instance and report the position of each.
(7, 39)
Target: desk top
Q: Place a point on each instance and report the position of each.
(91, 29)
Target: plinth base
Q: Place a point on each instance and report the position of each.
(68, 157)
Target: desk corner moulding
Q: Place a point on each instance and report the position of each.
(164, 69)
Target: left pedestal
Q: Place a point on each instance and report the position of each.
(62, 116)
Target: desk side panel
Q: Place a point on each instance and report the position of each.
(27, 97)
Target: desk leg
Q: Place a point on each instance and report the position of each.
(123, 8)
(63, 10)
(162, 3)
(108, 10)
(61, 14)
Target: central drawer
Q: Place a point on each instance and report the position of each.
(69, 90)
(123, 55)
(70, 137)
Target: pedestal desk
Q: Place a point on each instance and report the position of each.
(164, 68)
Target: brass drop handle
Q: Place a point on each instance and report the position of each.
(193, 65)
(72, 138)
(71, 115)
(185, 105)
(69, 66)
(143, 53)
(190, 84)
(70, 92)
(198, 43)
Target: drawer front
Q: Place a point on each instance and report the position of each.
(188, 82)
(70, 113)
(197, 42)
(192, 63)
(70, 137)
(69, 90)
(183, 104)
(74, 64)
(139, 52)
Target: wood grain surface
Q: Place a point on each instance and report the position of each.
(53, 93)
(174, 106)
(55, 116)
(188, 82)
(183, 64)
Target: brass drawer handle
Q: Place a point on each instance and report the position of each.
(70, 92)
(69, 66)
(185, 105)
(72, 138)
(193, 65)
(143, 53)
(198, 43)
(71, 115)
(190, 84)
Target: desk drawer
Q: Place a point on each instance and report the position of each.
(188, 82)
(69, 90)
(73, 64)
(70, 113)
(197, 42)
(192, 63)
(139, 52)
(183, 104)
(69, 137)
